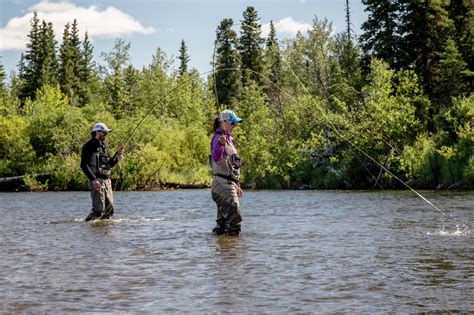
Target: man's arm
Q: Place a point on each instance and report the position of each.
(117, 156)
(87, 151)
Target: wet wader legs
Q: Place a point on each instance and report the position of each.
(228, 208)
(102, 201)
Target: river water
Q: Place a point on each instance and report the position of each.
(300, 251)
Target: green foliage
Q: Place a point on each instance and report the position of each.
(250, 49)
(15, 147)
(311, 115)
(32, 184)
(53, 131)
(468, 174)
(418, 162)
(226, 59)
(64, 173)
(461, 120)
(166, 151)
(272, 73)
(183, 59)
(451, 75)
(254, 140)
(386, 119)
(382, 35)
(118, 88)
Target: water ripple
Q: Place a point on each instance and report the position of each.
(300, 252)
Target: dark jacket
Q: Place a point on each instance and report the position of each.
(96, 160)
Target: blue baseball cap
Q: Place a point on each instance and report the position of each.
(229, 116)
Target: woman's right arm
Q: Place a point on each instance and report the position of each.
(217, 148)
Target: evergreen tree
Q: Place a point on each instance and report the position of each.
(66, 72)
(3, 88)
(38, 65)
(30, 63)
(426, 28)
(273, 65)
(381, 32)
(2, 76)
(118, 96)
(49, 63)
(348, 20)
(88, 74)
(154, 83)
(462, 14)
(319, 59)
(450, 76)
(71, 63)
(227, 62)
(348, 77)
(251, 52)
(183, 59)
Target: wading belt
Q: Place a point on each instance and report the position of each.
(228, 177)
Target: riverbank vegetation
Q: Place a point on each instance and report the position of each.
(323, 110)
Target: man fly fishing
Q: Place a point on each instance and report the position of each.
(96, 164)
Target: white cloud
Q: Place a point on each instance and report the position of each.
(286, 26)
(110, 22)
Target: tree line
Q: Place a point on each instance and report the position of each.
(324, 109)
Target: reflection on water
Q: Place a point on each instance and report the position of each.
(351, 252)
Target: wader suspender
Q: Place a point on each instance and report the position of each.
(228, 177)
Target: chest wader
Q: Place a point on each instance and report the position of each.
(103, 199)
(225, 186)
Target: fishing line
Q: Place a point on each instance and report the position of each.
(159, 102)
(337, 131)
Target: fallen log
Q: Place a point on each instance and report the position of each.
(17, 183)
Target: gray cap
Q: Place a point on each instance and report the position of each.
(101, 127)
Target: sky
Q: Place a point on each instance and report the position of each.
(151, 24)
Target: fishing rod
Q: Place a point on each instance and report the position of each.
(357, 147)
(337, 131)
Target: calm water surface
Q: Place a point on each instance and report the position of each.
(300, 251)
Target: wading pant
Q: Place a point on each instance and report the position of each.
(102, 200)
(224, 193)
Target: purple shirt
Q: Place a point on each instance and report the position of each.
(217, 148)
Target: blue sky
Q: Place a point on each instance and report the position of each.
(149, 24)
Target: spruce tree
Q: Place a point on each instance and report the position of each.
(38, 65)
(118, 95)
(49, 63)
(66, 66)
(462, 14)
(381, 32)
(30, 63)
(227, 62)
(251, 52)
(2, 80)
(273, 65)
(347, 72)
(71, 63)
(450, 76)
(183, 59)
(426, 27)
(88, 74)
(348, 20)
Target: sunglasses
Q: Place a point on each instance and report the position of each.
(104, 133)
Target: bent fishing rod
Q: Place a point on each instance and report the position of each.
(337, 131)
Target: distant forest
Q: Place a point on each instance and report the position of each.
(323, 110)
